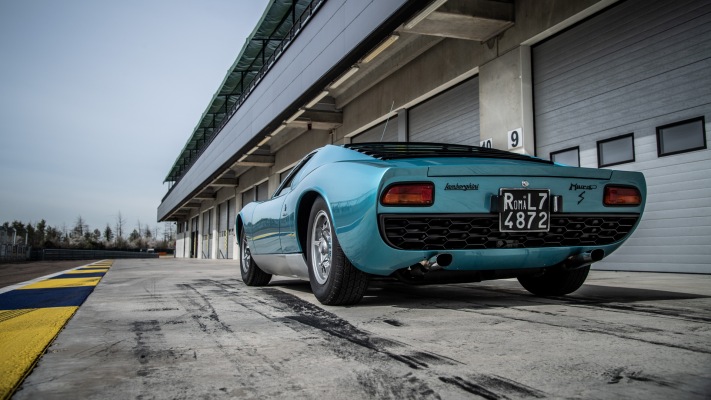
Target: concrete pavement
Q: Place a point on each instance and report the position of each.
(176, 328)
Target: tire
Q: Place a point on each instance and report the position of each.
(555, 283)
(252, 275)
(334, 280)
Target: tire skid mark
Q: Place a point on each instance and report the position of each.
(316, 317)
(378, 384)
(383, 384)
(491, 387)
(306, 319)
(485, 309)
(588, 330)
(472, 388)
(195, 302)
(617, 375)
(593, 303)
(204, 307)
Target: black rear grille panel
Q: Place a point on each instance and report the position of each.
(481, 231)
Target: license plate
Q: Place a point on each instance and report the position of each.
(525, 210)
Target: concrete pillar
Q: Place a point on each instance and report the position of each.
(506, 101)
(200, 233)
(403, 133)
(215, 234)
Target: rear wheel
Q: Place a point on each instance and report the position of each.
(334, 280)
(555, 283)
(252, 275)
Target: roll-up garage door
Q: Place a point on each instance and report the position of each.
(450, 117)
(263, 191)
(383, 132)
(222, 230)
(633, 71)
(249, 196)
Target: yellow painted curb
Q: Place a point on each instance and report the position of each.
(60, 283)
(24, 336)
(87, 271)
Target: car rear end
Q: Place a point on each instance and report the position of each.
(481, 210)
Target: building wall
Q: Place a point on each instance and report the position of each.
(503, 70)
(429, 67)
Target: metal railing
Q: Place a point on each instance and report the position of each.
(14, 252)
(70, 254)
(298, 25)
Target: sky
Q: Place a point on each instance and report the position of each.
(98, 97)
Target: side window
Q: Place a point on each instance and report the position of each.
(292, 176)
(681, 137)
(618, 150)
(284, 175)
(568, 157)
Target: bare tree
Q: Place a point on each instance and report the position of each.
(80, 227)
(120, 223)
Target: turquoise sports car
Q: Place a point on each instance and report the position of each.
(436, 213)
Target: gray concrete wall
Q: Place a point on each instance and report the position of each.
(435, 70)
(427, 67)
(503, 68)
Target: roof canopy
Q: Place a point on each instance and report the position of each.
(270, 37)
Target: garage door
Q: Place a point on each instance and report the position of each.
(207, 234)
(623, 86)
(450, 117)
(383, 132)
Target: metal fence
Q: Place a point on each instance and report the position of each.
(14, 252)
(68, 254)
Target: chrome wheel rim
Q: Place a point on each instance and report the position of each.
(246, 254)
(321, 247)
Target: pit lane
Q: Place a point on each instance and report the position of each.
(176, 328)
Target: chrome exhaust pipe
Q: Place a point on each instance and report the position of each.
(436, 262)
(584, 259)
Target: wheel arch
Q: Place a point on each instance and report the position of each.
(302, 217)
(239, 225)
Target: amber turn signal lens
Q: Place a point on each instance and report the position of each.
(622, 196)
(409, 194)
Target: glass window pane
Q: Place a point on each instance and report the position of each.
(616, 151)
(567, 157)
(681, 137)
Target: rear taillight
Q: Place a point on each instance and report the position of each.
(622, 196)
(408, 194)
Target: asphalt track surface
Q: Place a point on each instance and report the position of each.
(183, 329)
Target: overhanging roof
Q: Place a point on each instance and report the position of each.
(268, 38)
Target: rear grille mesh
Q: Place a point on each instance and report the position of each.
(471, 232)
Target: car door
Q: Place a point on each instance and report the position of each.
(265, 229)
(288, 190)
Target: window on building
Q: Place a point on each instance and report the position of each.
(568, 157)
(617, 150)
(682, 136)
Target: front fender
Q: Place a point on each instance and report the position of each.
(244, 222)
